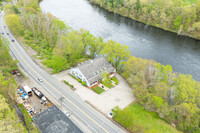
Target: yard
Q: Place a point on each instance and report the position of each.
(136, 119)
(108, 83)
(115, 80)
(98, 89)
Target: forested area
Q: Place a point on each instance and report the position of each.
(175, 97)
(180, 16)
(60, 46)
(9, 121)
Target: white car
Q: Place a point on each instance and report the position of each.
(110, 115)
(40, 79)
(66, 113)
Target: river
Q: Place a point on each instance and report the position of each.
(182, 53)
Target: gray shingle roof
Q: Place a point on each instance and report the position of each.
(92, 69)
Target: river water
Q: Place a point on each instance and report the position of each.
(182, 53)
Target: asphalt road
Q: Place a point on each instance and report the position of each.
(94, 120)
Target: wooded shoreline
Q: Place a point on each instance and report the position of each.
(191, 33)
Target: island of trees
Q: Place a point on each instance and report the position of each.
(172, 96)
(180, 16)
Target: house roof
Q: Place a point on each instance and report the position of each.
(92, 69)
(53, 120)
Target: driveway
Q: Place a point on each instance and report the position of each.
(121, 95)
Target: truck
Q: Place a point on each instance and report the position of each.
(27, 90)
(37, 92)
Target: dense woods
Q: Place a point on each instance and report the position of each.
(180, 16)
(9, 120)
(59, 45)
(175, 97)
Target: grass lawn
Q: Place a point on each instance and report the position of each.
(107, 83)
(98, 89)
(145, 121)
(115, 80)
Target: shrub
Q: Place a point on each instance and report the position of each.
(83, 83)
(79, 80)
(67, 83)
(71, 86)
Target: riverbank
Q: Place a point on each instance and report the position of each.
(140, 12)
(152, 82)
(144, 41)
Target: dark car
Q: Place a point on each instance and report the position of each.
(37, 92)
(4, 26)
(2, 33)
(7, 33)
(13, 40)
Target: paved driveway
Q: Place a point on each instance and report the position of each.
(121, 95)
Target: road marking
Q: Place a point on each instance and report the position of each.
(51, 85)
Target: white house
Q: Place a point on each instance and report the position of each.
(90, 71)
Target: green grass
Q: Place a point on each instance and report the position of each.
(107, 83)
(28, 120)
(115, 80)
(144, 121)
(98, 89)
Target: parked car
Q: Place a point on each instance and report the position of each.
(40, 79)
(110, 115)
(37, 92)
(13, 40)
(66, 113)
(4, 26)
(2, 33)
(7, 33)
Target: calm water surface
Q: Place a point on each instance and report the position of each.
(182, 53)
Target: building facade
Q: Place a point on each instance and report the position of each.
(90, 71)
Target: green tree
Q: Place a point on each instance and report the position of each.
(14, 23)
(177, 22)
(115, 53)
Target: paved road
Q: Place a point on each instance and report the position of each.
(94, 120)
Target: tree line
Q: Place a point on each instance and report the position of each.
(59, 45)
(180, 16)
(175, 97)
(9, 120)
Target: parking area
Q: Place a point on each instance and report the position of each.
(34, 103)
(121, 95)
